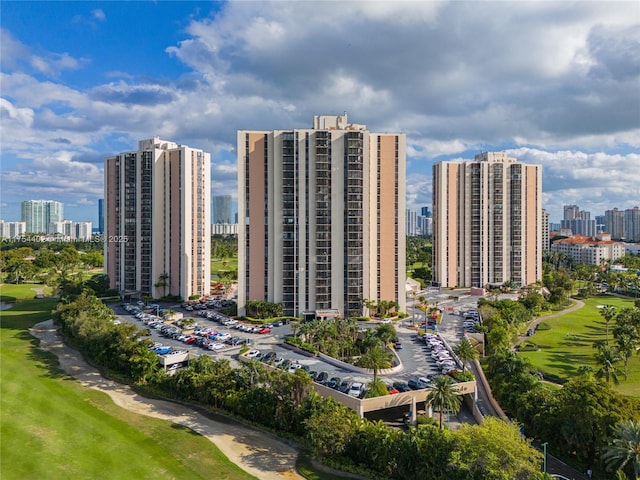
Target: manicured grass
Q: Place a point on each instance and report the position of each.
(9, 293)
(568, 344)
(230, 263)
(54, 428)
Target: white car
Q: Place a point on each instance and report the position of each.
(223, 336)
(216, 346)
(253, 353)
(356, 389)
(294, 367)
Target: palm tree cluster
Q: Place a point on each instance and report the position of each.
(262, 309)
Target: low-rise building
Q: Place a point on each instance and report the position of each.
(589, 250)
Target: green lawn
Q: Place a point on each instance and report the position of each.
(568, 344)
(53, 428)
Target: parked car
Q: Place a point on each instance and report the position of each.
(293, 367)
(356, 389)
(253, 353)
(344, 386)
(416, 384)
(392, 390)
(334, 382)
(401, 386)
(264, 330)
(322, 377)
(269, 357)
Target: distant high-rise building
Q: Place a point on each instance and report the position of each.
(101, 215)
(614, 223)
(221, 209)
(412, 223)
(63, 227)
(321, 217)
(12, 229)
(425, 225)
(545, 230)
(600, 223)
(158, 220)
(425, 212)
(38, 214)
(487, 221)
(632, 224)
(578, 221)
(71, 230)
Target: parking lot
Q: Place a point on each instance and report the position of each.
(219, 336)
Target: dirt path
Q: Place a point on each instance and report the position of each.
(258, 453)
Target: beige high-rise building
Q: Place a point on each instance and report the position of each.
(157, 220)
(321, 217)
(487, 220)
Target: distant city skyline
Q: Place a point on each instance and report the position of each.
(549, 83)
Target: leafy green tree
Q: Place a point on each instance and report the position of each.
(443, 396)
(465, 351)
(495, 450)
(330, 428)
(624, 451)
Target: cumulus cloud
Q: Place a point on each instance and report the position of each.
(552, 81)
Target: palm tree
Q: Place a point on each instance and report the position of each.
(608, 312)
(163, 281)
(376, 359)
(465, 351)
(607, 358)
(444, 395)
(624, 452)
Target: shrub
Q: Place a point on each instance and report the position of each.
(460, 376)
(543, 326)
(528, 347)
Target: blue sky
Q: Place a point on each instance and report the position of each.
(554, 83)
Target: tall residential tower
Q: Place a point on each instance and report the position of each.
(487, 217)
(157, 220)
(38, 214)
(321, 217)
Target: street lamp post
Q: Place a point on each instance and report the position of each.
(544, 463)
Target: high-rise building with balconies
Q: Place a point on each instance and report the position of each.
(487, 221)
(321, 217)
(158, 221)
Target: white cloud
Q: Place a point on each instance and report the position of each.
(555, 80)
(98, 14)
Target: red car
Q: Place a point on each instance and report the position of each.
(264, 330)
(392, 390)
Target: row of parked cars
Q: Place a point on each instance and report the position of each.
(419, 383)
(440, 353)
(349, 387)
(243, 327)
(213, 304)
(471, 320)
